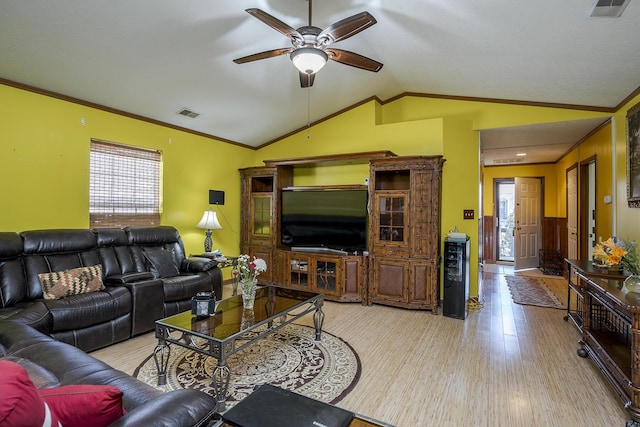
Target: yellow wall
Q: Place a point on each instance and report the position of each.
(44, 167)
(358, 130)
(460, 187)
(627, 219)
(599, 146)
(483, 115)
(44, 159)
(596, 146)
(418, 126)
(546, 171)
(568, 161)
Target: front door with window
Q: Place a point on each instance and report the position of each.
(528, 225)
(505, 215)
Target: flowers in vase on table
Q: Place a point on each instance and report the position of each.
(248, 269)
(614, 251)
(630, 261)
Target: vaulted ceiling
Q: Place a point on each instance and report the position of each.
(153, 58)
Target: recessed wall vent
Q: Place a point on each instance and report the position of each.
(608, 8)
(508, 161)
(189, 113)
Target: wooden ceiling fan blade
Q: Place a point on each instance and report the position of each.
(275, 23)
(347, 27)
(354, 59)
(263, 55)
(306, 80)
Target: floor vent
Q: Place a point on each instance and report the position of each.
(188, 113)
(608, 8)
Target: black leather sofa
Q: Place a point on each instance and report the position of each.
(146, 275)
(52, 363)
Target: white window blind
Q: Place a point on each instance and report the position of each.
(124, 186)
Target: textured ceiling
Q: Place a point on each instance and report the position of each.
(155, 57)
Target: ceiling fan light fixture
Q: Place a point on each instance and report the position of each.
(309, 60)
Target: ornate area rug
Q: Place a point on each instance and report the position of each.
(532, 291)
(289, 358)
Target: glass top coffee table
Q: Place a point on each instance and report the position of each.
(233, 328)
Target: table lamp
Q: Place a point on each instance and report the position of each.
(209, 222)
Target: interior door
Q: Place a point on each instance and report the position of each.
(528, 224)
(572, 213)
(587, 209)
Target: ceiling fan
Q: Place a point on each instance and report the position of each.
(310, 50)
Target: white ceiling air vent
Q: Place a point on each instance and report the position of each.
(508, 161)
(608, 8)
(189, 113)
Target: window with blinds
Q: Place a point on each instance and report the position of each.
(124, 187)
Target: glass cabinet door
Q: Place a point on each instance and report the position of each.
(391, 218)
(261, 207)
(299, 271)
(325, 275)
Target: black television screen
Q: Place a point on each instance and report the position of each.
(334, 219)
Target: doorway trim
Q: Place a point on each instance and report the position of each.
(572, 213)
(496, 214)
(587, 195)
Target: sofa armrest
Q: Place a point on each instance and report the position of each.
(147, 298)
(177, 408)
(121, 279)
(197, 265)
(35, 314)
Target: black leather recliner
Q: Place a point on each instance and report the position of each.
(58, 364)
(146, 274)
(90, 320)
(15, 300)
(195, 274)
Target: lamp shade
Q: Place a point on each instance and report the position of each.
(209, 221)
(308, 60)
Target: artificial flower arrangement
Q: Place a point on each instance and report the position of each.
(248, 269)
(614, 251)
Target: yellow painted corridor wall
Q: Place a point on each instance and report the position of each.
(44, 159)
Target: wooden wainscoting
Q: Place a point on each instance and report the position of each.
(488, 240)
(554, 236)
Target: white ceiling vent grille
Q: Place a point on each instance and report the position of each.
(189, 113)
(508, 161)
(608, 8)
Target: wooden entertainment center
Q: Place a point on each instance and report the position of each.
(400, 267)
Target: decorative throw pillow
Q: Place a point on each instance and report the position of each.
(21, 404)
(163, 263)
(84, 405)
(60, 284)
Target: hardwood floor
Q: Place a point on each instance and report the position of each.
(505, 365)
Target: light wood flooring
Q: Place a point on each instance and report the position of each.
(505, 365)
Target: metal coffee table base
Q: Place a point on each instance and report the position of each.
(222, 349)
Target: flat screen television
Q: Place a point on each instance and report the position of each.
(330, 218)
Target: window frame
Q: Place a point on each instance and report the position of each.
(125, 185)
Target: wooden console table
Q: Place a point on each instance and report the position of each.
(575, 309)
(609, 320)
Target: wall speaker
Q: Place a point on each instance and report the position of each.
(216, 197)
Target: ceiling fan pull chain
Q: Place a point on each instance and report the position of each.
(309, 112)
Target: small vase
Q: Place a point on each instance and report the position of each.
(632, 283)
(248, 292)
(248, 318)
